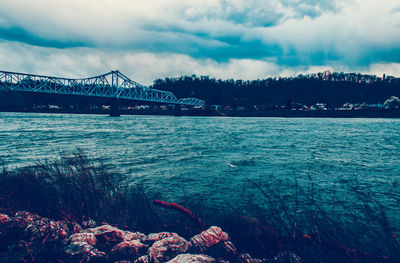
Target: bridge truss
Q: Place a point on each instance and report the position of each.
(110, 85)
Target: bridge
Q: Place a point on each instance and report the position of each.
(113, 85)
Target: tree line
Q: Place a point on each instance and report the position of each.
(334, 89)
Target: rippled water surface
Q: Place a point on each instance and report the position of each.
(215, 158)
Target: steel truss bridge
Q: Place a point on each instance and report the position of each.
(110, 85)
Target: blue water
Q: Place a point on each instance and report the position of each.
(218, 159)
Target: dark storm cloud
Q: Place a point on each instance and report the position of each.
(22, 35)
(288, 33)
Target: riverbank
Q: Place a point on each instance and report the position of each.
(75, 190)
(229, 113)
(31, 238)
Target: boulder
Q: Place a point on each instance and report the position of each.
(128, 236)
(36, 227)
(83, 252)
(189, 258)
(168, 248)
(154, 237)
(4, 219)
(246, 258)
(213, 241)
(89, 238)
(129, 249)
(107, 235)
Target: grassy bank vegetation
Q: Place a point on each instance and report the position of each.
(75, 188)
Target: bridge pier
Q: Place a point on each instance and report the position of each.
(114, 108)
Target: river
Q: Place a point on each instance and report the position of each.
(219, 159)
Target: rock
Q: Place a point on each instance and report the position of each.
(286, 257)
(209, 238)
(4, 219)
(246, 258)
(189, 258)
(88, 224)
(143, 259)
(83, 252)
(214, 241)
(129, 249)
(168, 248)
(107, 235)
(230, 248)
(128, 236)
(76, 228)
(154, 237)
(36, 227)
(83, 237)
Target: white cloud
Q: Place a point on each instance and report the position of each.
(145, 67)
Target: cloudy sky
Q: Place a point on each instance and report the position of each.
(246, 39)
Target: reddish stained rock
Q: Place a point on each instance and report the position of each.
(39, 227)
(213, 239)
(168, 248)
(209, 238)
(107, 234)
(83, 237)
(230, 247)
(83, 252)
(189, 258)
(143, 259)
(4, 219)
(129, 249)
(246, 258)
(128, 236)
(154, 237)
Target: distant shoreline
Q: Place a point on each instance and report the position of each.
(233, 113)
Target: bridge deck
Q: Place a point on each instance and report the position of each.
(110, 85)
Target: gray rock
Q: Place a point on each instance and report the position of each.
(128, 236)
(89, 238)
(107, 235)
(83, 252)
(168, 248)
(154, 237)
(246, 258)
(189, 258)
(129, 249)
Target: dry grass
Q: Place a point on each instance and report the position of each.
(76, 188)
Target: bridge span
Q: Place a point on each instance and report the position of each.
(113, 84)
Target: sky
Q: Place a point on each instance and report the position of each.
(239, 39)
